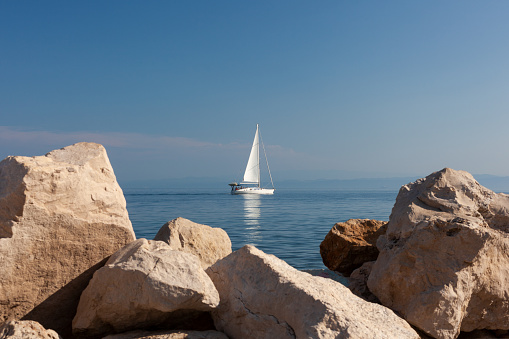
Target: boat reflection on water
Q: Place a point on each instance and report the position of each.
(252, 212)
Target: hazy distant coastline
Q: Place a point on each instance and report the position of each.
(495, 183)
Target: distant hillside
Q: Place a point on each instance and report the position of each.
(392, 184)
(176, 183)
(495, 183)
(352, 184)
(492, 182)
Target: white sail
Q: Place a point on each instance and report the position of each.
(252, 173)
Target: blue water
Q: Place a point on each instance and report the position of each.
(290, 224)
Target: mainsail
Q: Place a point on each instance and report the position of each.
(252, 173)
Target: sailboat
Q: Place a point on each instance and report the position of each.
(251, 182)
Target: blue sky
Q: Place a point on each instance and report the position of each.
(341, 89)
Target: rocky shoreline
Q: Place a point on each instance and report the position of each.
(72, 267)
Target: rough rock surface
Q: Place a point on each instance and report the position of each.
(26, 329)
(264, 297)
(444, 261)
(358, 282)
(325, 273)
(60, 215)
(350, 244)
(169, 335)
(207, 243)
(144, 284)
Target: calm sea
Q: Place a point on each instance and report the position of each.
(290, 224)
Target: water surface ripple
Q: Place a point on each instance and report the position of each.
(290, 224)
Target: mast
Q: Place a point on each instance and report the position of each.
(258, 153)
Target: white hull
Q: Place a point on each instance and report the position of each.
(253, 190)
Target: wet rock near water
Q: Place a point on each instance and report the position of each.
(350, 244)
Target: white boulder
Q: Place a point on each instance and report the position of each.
(264, 297)
(145, 284)
(207, 243)
(61, 214)
(444, 261)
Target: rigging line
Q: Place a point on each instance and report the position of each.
(266, 160)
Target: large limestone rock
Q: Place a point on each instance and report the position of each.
(350, 244)
(263, 297)
(207, 243)
(444, 261)
(145, 284)
(26, 329)
(60, 215)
